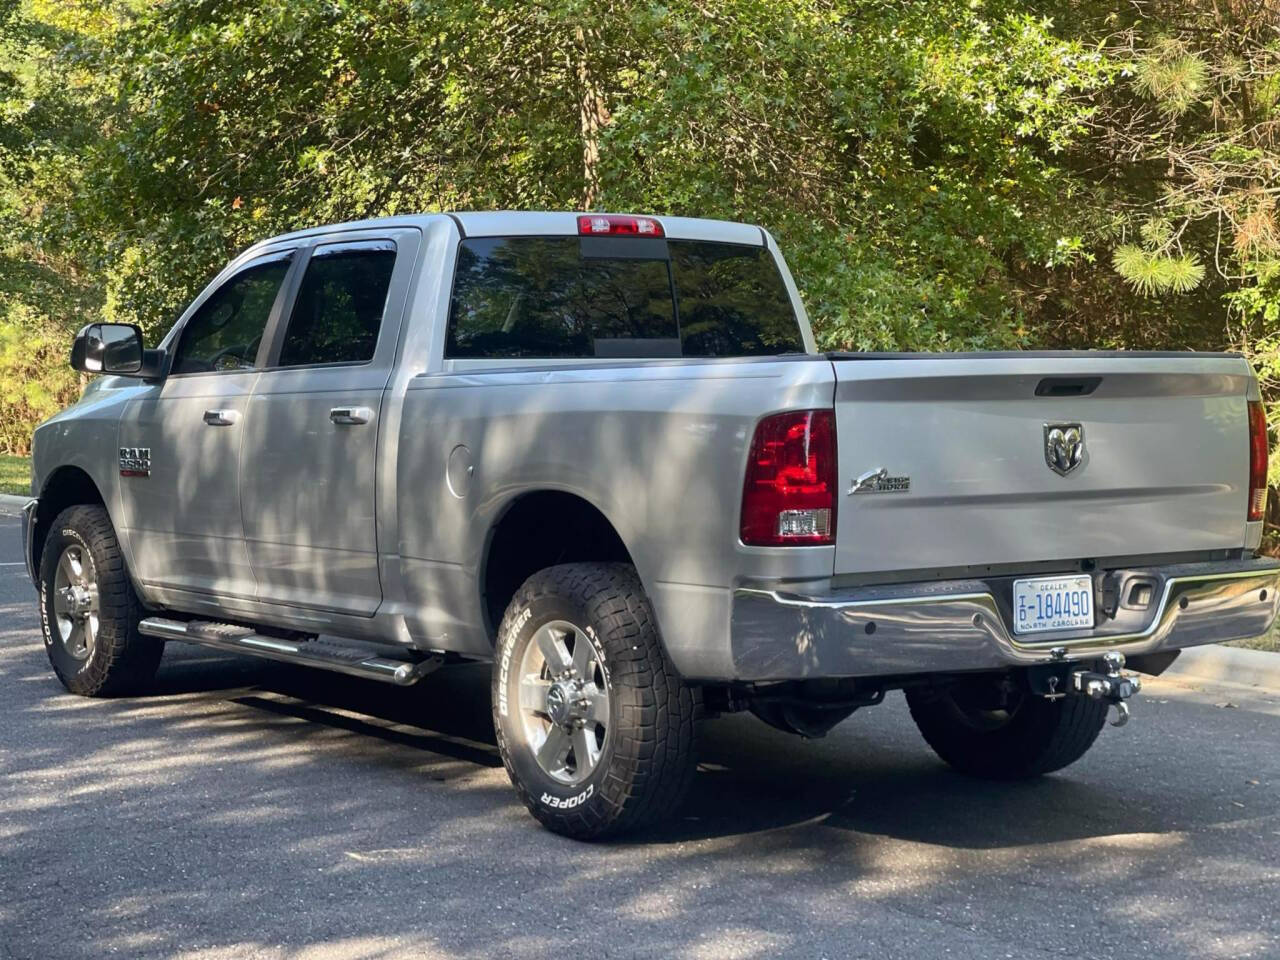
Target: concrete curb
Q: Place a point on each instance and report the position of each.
(1254, 668)
(11, 506)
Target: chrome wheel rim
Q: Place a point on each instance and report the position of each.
(75, 602)
(564, 701)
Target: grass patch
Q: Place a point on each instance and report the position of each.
(15, 475)
(1269, 641)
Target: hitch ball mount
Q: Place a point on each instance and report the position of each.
(1109, 683)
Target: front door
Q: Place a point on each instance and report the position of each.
(307, 474)
(180, 441)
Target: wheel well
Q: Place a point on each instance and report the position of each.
(66, 487)
(541, 530)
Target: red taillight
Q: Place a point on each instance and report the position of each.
(1257, 461)
(789, 495)
(606, 224)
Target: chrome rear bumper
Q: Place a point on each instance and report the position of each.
(962, 625)
(29, 538)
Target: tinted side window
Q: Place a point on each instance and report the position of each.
(541, 297)
(225, 332)
(732, 301)
(340, 303)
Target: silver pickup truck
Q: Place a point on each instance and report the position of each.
(603, 452)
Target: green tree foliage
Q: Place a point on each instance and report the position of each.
(902, 152)
(49, 117)
(943, 175)
(1194, 122)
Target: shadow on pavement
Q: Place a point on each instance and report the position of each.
(751, 778)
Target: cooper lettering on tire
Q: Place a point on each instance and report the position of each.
(595, 729)
(567, 803)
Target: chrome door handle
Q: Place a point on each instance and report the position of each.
(221, 418)
(351, 415)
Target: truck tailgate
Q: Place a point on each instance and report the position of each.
(965, 478)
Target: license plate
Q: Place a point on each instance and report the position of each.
(1052, 603)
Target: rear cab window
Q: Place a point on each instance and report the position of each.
(612, 297)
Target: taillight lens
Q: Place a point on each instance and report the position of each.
(789, 495)
(1257, 461)
(610, 224)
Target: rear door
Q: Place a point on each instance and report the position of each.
(971, 460)
(308, 468)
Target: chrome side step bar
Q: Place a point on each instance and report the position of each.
(325, 654)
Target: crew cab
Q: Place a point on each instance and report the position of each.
(603, 452)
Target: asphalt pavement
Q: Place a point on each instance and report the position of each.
(255, 810)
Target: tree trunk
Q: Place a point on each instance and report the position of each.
(593, 115)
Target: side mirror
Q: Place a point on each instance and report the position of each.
(111, 348)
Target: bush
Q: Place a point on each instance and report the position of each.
(35, 380)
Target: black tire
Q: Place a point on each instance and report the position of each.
(648, 755)
(1034, 737)
(119, 660)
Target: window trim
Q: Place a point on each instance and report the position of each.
(271, 362)
(288, 254)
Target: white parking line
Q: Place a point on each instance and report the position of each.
(16, 563)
